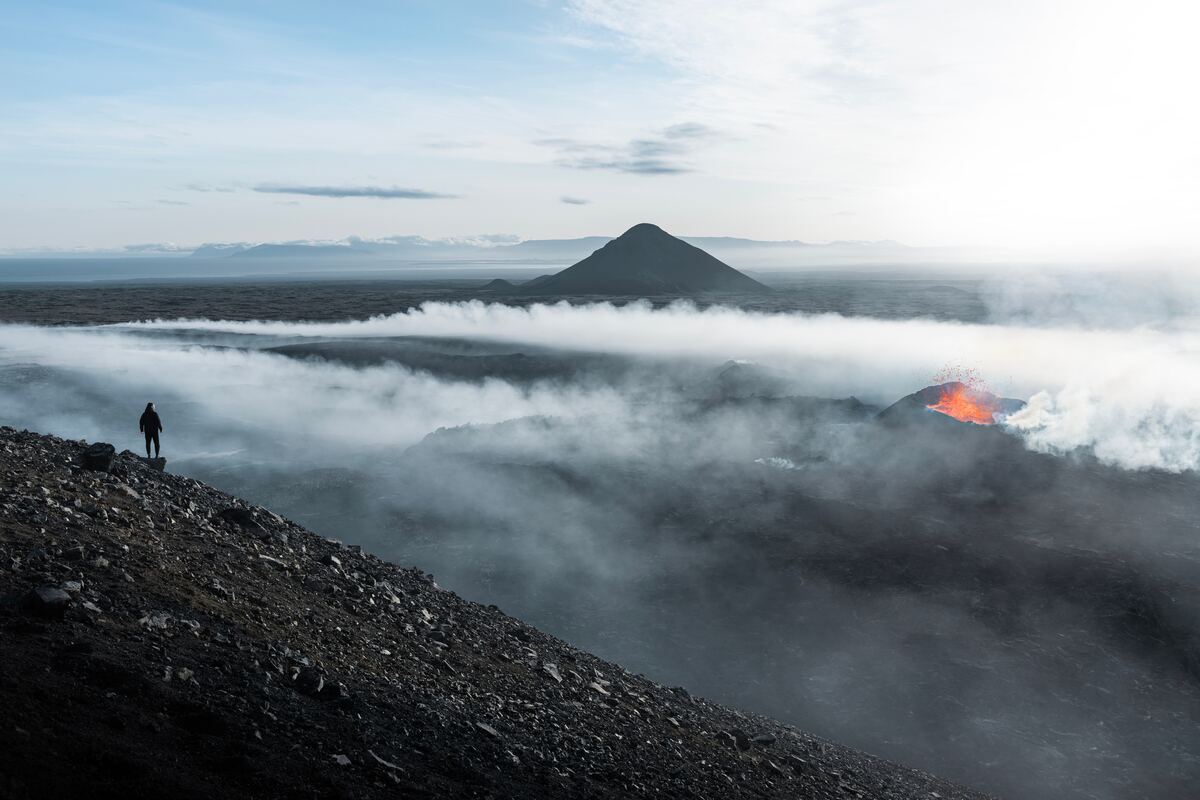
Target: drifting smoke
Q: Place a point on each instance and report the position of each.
(1130, 396)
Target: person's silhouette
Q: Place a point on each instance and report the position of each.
(150, 425)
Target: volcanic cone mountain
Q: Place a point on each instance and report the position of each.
(647, 260)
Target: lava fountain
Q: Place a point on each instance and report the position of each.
(967, 403)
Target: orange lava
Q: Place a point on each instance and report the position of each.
(967, 404)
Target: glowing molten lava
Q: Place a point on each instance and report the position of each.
(966, 403)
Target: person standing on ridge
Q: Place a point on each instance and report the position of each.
(150, 425)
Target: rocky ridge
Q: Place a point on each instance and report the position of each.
(161, 638)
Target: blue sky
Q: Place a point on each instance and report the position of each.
(1032, 125)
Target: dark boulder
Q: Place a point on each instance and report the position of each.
(736, 738)
(98, 457)
(48, 601)
(310, 682)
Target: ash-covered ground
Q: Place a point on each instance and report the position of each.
(705, 494)
(161, 639)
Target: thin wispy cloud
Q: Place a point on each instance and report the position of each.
(666, 153)
(574, 201)
(636, 166)
(206, 187)
(639, 157)
(689, 130)
(381, 192)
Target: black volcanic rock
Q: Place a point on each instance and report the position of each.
(158, 463)
(98, 456)
(48, 601)
(189, 660)
(646, 260)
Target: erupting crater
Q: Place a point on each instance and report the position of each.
(959, 395)
(967, 403)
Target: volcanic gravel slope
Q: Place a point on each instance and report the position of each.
(159, 638)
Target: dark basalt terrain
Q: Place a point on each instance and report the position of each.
(296, 298)
(161, 638)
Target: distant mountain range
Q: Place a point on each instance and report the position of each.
(509, 250)
(295, 251)
(554, 251)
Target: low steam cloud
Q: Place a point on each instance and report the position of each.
(1131, 396)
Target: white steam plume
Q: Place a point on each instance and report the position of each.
(1132, 395)
(310, 402)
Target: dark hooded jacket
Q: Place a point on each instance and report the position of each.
(150, 423)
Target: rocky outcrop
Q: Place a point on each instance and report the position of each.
(160, 638)
(159, 464)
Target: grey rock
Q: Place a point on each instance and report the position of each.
(383, 762)
(128, 491)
